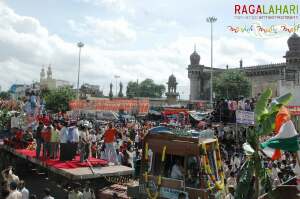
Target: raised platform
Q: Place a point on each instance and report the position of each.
(80, 173)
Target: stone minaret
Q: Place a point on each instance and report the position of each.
(194, 73)
(121, 90)
(110, 91)
(292, 56)
(172, 90)
(49, 72)
(42, 75)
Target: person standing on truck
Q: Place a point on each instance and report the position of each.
(109, 140)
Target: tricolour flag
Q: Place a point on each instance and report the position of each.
(286, 136)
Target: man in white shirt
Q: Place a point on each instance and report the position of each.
(235, 162)
(230, 195)
(73, 140)
(150, 156)
(23, 190)
(176, 172)
(88, 193)
(14, 123)
(137, 139)
(63, 139)
(231, 181)
(47, 194)
(14, 193)
(93, 137)
(274, 173)
(9, 176)
(75, 193)
(84, 144)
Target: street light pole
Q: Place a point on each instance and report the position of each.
(80, 45)
(116, 77)
(211, 20)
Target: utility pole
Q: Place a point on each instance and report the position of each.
(211, 20)
(80, 45)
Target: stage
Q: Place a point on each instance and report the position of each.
(73, 170)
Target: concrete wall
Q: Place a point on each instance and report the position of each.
(194, 88)
(205, 95)
(261, 83)
(53, 83)
(290, 87)
(156, 102)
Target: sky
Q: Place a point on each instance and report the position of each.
(134, 39)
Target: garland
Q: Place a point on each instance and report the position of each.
(31, 146)
(163, 157)
(121, 180)
(219, 185)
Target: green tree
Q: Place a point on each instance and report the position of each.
(5, 95)
(231, 84)
(44, 92)
(149, 89)
(132, 89)
(253, 169)
(4, 119)
(146, 88)
(58, 99)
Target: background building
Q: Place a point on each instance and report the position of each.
(89, 90)
(49, 82)
(172, 93)
(18, 91)
(280, 77)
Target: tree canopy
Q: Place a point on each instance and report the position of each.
(58, 99)
(5, 95)
(146, 88)
(231, 84)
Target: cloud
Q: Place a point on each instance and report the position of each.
(26, 45)
(113, 5)
(104, 32)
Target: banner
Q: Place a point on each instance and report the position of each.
(244, 117)
(294, 110)
(140, 106)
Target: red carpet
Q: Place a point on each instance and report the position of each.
(64, 165)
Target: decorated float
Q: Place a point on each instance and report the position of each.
(176, 164)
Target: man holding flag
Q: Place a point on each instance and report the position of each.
(286, 139)
(286, 136)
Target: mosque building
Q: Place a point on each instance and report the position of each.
(280, 77)
(49, 82)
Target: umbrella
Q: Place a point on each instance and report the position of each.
(160, 129)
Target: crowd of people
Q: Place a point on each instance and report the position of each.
(233, 157)
(57, 136)
(120, 143)
(225, 109)
(64, 139)
(14, 188)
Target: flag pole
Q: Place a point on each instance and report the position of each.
(297, 158)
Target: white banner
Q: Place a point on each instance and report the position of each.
(244, 117)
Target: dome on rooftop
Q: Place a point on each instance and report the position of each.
(172, 78)
(195, 58)
(294, 42)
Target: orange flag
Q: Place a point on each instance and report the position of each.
(282, 116)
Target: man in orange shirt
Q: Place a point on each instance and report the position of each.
(109, 139)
